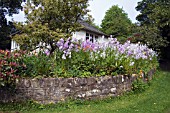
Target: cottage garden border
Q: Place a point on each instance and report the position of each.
(92, 62)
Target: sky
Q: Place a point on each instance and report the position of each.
(99, 7)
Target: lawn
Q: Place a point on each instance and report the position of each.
(156, 99)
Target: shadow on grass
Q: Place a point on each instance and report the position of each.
(165, 65)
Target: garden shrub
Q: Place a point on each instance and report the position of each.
(11, 66)
(38, 65)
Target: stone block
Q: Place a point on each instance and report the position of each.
(114, 79)
(105, 92)
(91, 81)
(93, 92)
(27, 83)
(105, 80)
(29, 93)
(126, 78)
(120, 79)
(39, 94)
(80, 81)
(34, 83)
(66, 82)
(49, 91)
(41, 83)
(49, 82)
(113, 90)
(56, 82)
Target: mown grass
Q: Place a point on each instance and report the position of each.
(156, 99)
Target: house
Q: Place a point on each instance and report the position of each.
(88, 32)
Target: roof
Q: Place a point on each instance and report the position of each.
(90, 28)
(86, 26)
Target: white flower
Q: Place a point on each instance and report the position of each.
(103, 55)
(121, 66)
(132, 63)
(70, 55)
(63, 56)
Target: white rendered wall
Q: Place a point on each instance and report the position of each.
(102, 39)
(80, 35)
(14, 45)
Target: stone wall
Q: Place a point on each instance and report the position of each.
(47, 90)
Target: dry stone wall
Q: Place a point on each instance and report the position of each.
(52, 90)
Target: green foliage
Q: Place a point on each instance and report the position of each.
(38, 65)
(116, 22)
(154, 21)
(155, 12)
(48, 21)
(80, 65)
(76, 59)
(85, 62)
(150, 36)
(11, 67)
(89, 19)
(139, 86)
(7, 8)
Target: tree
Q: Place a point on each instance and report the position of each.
(155, 14)
(48, 21)
(7, 7)
(90, 20)
(147, 35)
(116, 22)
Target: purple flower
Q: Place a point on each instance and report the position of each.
(66, 45)
(129, 53)
(121, 49)
(129, 50)
(60, 43)
(47, 52)
(71, 46)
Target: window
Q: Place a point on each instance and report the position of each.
(96, 38)
(89, 37)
